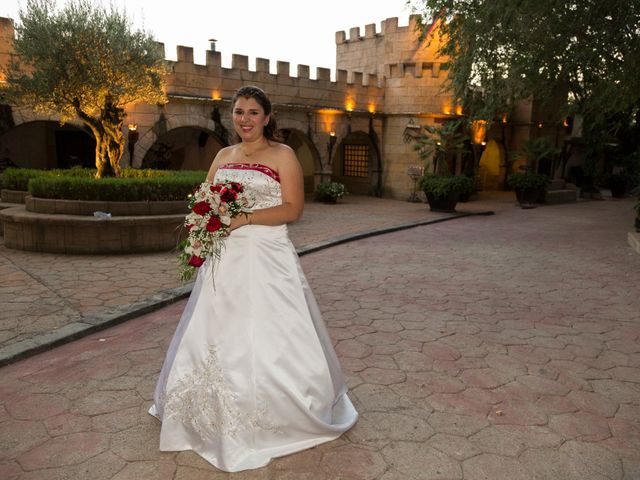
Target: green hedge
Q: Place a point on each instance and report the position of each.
(81, 184)
(18, 178)
(442, 185)
(528, 180)
(135, 187)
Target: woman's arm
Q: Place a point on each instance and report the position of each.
(292, 186)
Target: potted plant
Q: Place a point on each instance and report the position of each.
(619, 183)
(330, 192)
(443, 191)
(529, 187)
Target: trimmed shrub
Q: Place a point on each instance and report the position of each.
(443, 185)
(133, 185)
(18, 178)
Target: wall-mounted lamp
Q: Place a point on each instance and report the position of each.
(331, 143)
(411, 132)
(132, 137)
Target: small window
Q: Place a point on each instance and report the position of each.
(356, 160)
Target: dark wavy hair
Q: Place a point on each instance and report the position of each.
(270, 131)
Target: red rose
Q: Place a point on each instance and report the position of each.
(189, 227)
(237, 187)
(201, 208)
(213, 224)
(227, 195)
(216, 188)
(196, 261)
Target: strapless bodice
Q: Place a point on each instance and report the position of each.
(262, 183)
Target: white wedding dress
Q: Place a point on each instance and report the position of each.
(251, 373)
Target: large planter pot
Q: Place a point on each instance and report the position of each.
(618, 190)
(526, 196)
(442, 204)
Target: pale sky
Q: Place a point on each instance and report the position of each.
(295, 31)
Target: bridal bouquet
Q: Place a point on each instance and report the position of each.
(212, 208)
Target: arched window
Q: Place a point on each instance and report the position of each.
(355, 160)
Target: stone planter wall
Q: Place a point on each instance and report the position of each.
(58, 233)
(13, 196)
(86, 207)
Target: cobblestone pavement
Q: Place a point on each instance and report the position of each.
(47, 297)
(504, 347)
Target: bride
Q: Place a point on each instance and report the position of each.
(251, 373)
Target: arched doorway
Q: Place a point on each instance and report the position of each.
(45, 144)
(306, 153)
(490, 170)
(356, 162)
(184, 148)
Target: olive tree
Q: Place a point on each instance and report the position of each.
(84, 61)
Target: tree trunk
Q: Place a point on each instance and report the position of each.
(107, 130)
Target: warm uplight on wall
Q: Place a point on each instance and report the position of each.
(504, 119)
(565, 123)
(372, 108)
(458, 109)
(478, 131)
(349, 105)
(446, 109)
(215, 95)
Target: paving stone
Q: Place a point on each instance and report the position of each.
(156, 470)
(458, 403)
(379, 428)
(352, 462)
(593, 403)
(20, 436)
(617, 391)
(376, 397)
(97, 403)
(454, 446)
(413, 361)
(542, 385)
(67, 423)
(596, 458)
(454, 424)
(551, 463)
(512, 440)
(420, 462)
(101, 467)
(488, 467)
(64, 450)
(517, 412)
(485, 377)
(381, 376)
(581, 426)
(139, 443)
(10, 470)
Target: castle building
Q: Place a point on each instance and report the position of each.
(353, 129)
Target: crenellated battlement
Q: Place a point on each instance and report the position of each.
(240, 63)
(388, 26)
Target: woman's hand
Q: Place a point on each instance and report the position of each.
(239, 221)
